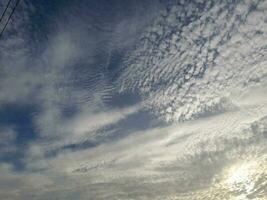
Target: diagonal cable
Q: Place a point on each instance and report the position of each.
(3, 14)
(12, 12)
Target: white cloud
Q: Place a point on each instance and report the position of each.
(193, 155)
(91, 122)
(21, 185)
(82, 126)
(190, 71)
(187, 160)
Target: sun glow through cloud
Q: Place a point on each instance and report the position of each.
(245, 180)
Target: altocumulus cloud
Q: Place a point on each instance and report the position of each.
(197, 67)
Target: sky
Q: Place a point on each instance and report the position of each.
(136, 99)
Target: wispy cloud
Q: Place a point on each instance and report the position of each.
(194, 155)
(200, 66)
(7, 138)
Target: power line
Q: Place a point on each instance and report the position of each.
(3, 14)
(12, 12)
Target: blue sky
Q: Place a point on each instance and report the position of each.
(134, 99)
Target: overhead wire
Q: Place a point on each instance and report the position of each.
(4, 12)
(9, 17)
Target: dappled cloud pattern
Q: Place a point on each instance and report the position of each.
(139, 100)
